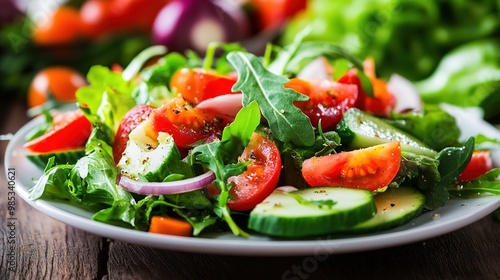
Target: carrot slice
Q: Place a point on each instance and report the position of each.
(171, 226)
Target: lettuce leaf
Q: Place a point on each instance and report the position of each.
(108, 97)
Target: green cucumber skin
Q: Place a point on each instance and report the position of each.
(65, 157)
(294, 221)
(361, 130)
(390, 213)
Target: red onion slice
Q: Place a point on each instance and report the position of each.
(173, 187)
(318, 69)
(287, 189)
(407, 97)
(227, 104)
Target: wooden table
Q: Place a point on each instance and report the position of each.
(48, 249)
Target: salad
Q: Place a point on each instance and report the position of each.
(301, 142)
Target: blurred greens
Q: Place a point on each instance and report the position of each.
(21, 58)
(411, 38)
(405, 36)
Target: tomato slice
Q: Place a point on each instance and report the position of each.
(261, 177)
(131, 120)
(69, 130)
(273, 13)
(185, 123)
(370, 168)
(197, 84)
(382, 100)
(479, 164)
(135, 14)
(328, 100)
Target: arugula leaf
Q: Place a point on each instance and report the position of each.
(286, 121)
(221, 157)
(452, 162)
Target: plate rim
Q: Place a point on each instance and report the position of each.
(238, 245)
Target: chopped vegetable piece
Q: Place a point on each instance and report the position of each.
(170, 226)
(479, 164)
(69, 130)
(370, 168)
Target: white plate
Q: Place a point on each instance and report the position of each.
(455, 214)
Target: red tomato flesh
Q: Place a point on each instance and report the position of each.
(328, 100)
(382, 100)
(261, 177)
(196, 85)
(479, 164)
(69, 130)
(369, 168)
(185, 123)
(131, 120)
(273, 13)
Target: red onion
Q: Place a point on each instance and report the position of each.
(173, 187)
(407, 97)
(227, 104)
(287, 189)
(318, 69)
(193, 24)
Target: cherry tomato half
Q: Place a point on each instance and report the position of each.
(69, 130)
(138, 13)
(479, 164)
(185, 123)
(56, 82)
(261, 177)
(105, 17)
(382, 100)
(328, 100)
(196, 85)
(63, 26)
(273, 13)
(98, 18)
(369, 168)
(130, 121)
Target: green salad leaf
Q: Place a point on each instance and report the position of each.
(452, 162)
(488, 183)
(222, 158)
(434, 126)
(108, 97)
(286, 121)
(468, 76)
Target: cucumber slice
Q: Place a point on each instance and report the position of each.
(308, 212)
(361, 130)
(395, 207)
(60, 157)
